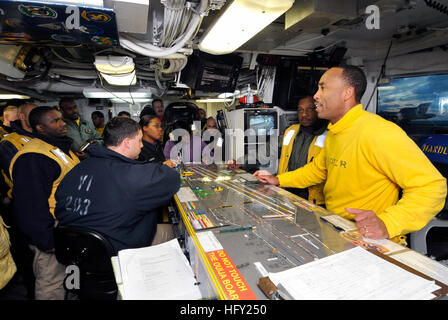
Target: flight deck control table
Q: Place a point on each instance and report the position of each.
(237, 230)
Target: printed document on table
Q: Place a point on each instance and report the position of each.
(185, 194)
(351, 275)
(160, 272)
(208, 241)
(424, 264)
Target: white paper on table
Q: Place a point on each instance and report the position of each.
(423, 264)
(160, 272)
(351, 275)
(208, 241)
(185, 194)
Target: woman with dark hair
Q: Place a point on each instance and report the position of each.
(152, 150)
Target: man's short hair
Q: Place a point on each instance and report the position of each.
(22, 108)
(155, 100)
(9, 109)
(355, 77)
(308, 96)
(119, 128)
(99, 114)
(64, 101)
(123, 113)
(37, 114)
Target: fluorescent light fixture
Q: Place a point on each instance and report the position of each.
(100, 93)
(215, 100)
(120, 80)
(116, 70)
(130, 100)
(242, 20)
(229, 94)
(7, 96)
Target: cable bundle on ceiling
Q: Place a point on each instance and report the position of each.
(181, 23)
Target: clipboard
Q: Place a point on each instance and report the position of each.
(273, 293)
(443, 287)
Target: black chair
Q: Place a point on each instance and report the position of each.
(91, 252)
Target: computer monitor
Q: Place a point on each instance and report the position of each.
(263, 123)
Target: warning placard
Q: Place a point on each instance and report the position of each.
(234, 285)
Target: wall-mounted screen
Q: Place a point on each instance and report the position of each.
(262, 123)
(418, 104)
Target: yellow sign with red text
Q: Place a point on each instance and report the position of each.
(234, 285)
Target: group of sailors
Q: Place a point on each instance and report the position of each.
(128, 181)
(338, 156)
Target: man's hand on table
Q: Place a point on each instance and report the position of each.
(265, 177)
(368, 224)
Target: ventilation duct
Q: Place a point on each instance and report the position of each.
(311, 15)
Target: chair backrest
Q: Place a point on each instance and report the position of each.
(185, 111)
(87, 249)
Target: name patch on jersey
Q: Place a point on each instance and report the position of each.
(337, 162)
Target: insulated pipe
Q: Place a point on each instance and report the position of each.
(177, 63)
(147, 49)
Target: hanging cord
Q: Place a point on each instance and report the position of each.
(437, 6)
(382, 73)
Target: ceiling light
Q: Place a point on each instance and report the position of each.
(129, 100)
(242, 20)
(90, 92)
(228, 94)
(116, 70)
(7, 96)
(214, 100)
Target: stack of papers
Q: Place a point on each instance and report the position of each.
(355, 274)
(160, 272)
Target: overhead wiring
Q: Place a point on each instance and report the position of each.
(148, 49)
(437, 6)
(381, 74)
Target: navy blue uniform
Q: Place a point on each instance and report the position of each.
(115, 196)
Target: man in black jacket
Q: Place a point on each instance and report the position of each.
(115, 194)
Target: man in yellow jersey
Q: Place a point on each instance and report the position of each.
(98, 121)
(13, 142)
(365, 161)
(302, 142)
(9, 146)
(9, 115)
(36, 171)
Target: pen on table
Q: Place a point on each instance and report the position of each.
(237, 229)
